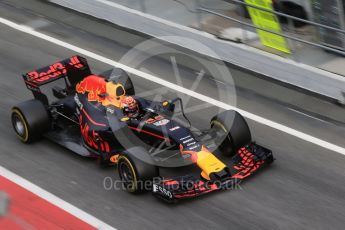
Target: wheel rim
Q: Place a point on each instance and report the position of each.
(18, 125)
(126, 175)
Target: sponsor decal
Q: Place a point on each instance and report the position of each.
(94, 86)
(163, 191)
(110, 110)
(161, 122)
(193, 143)
(53, 71)
(90, 137)
(189, 140)
(194, 147)
(174, 128)
(98, 90)
(184, 138)
(153, 120)
(77, 101)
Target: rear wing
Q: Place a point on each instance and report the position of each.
(72, 69)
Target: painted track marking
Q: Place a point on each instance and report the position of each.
(87, 218)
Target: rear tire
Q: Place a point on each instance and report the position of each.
(135, 173)
(30, 120)
(233, 131)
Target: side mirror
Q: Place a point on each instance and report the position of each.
(170, 106)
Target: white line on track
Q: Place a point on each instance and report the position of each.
(261, 120)
(87, 218)
(304, 114)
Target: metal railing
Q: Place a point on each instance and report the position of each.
(290, 21)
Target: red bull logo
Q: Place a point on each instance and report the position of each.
(94, 86)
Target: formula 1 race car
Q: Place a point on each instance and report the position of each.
(100, 116)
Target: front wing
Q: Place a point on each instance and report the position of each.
(247, 161)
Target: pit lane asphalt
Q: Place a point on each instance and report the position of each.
(304, 189)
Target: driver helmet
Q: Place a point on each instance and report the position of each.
(130, 106)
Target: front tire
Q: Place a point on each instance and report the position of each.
(30, 120)
(135, 173)
(232, 130)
